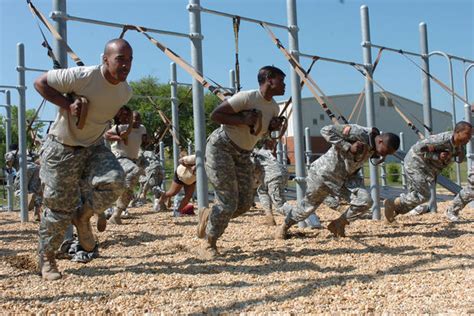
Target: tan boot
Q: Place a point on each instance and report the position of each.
(202, 224)
(337, 227)
(116, 217)
(281, 232)
(208, 249)
(81, 219)
(31, 201)
(269, 220)
(48, 267)
(101, 222)
(390, 209)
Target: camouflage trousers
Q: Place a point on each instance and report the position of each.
(465, 196)
(272, 196)
(33, 182)
(419, 182)
(318, 189)
(230, 171)
(152, 181)
(132, 174)
(74, 176)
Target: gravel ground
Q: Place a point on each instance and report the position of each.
(417, 265)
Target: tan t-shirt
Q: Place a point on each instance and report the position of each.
(248, 100)
(105, 99)
(185, 173)
(134, 141)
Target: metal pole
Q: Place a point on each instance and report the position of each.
(190, 147)
(279, 151)
(453, 102)
(425, 80)
(162, 162)
(467, 118)
(298, 132)
(174, 113)
(22, 134)
(402, 148)
(309, 151)
(198, 103)
(10, 195)
(232, 80)
(59, 49)
(369, 101)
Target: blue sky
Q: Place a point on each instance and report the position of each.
(328, 28)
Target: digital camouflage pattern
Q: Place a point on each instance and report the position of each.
(75, 176)
(154, 173)
(336, 173)
(465, 196)
(231, 173)
(422, 165)
(132, 174)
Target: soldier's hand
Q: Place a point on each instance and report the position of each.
(357, 147)
(75, 107)
(249, 117)
(275, 123)
(445, 156)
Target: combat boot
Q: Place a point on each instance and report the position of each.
(208, 249)
(116, 217)
(31, 201)
(282, 231)
(338, 227)
(390, 209)
(452, 216)
(48, 267)
(81, 219)
(202, 224)
(101, 222)
(269, 220)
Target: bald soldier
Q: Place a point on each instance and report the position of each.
(80, 174)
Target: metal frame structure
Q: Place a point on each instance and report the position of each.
(8, 138)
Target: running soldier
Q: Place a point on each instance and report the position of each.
(465, 196)
(126, 150)
(152, 180)
(80, 174)
(336, 173)
(423, 162)
(245, 118)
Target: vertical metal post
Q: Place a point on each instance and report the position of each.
(309, 150)
(369, 102)
(190, 147)
(467, 118)
(174, 113)
(198, 103)
(162, 162)
(59, 48)
(402, 148)
(279, 152)
(22, 132)
(10, 195)
(285, 154)
(425, 81)
(296, 96)
(232, 82)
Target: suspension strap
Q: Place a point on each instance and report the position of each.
(168, 124)
(306, 78)
(178, 60)
(55, 33)
(236, 25)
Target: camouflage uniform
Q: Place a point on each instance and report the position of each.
(75, 176)
(230, 170)
(274, 178)
(154, 173)
(132, 174)
(422, 165)
(336, 173)
(33, 182)
(465, 196)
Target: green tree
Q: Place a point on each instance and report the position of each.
(160, 94)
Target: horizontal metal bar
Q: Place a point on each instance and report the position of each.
(242, 18)
(332, 60)
(150, 96)
(392, 49)
(13, 87)
(57, 15)
(460, 58)
(44, 121)
(20, 68)
(5, 105)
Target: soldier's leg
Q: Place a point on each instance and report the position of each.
(188, 194)
(315, 194)
(132, 174)
(266, 203)
(60, 173)
(244, 173)
(418, 193)
(465, 196)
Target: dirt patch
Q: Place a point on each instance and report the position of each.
(418, 265)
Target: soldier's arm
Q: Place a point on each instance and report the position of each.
(430, 147)
(111, 134)
(338, 135)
